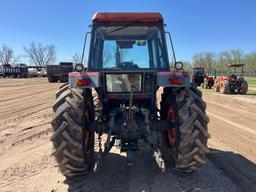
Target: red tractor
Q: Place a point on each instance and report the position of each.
(114, 101)
(209, 79)
(233, 83)
(198, 75)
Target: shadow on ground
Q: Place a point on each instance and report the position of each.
(241, 170)
(116, 175)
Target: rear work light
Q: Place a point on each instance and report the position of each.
(83, 82)
(176, 81)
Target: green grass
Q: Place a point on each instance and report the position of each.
(251, 91)
(251, 80)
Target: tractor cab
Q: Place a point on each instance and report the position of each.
(127, 44)
(198, 75)
(128, 51)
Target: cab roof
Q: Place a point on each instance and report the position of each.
(198, 67)
(236, 65)
(127, 17)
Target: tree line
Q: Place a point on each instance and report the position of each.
(37, 54)
(220, 61)
(42, 55)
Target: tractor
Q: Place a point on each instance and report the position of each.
(233, 83)
(209, 79)
(198, 75)
(112, 100)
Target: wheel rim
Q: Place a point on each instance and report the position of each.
(171, 135)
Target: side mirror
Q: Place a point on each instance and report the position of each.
(179, 65)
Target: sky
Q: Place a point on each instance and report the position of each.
(196, 25)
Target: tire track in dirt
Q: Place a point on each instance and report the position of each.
(145, 176)
(24, 165)
(22, 97)
(23, 114)
(232, 123)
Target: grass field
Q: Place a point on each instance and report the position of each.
(251, 80)
(251, 91)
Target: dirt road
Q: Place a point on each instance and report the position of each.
(26, 164)
(235, 116)
(233, 130)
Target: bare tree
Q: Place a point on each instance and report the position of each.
(7, 55)
(41, 55)
(77, 58)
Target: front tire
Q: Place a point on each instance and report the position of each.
(73, 143)
(188, 152)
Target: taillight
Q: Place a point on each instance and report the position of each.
(176, 81)
(83, 82)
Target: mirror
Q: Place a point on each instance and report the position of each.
(178, 65)
(141, 43)
(125, 44)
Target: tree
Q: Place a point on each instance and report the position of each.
(198, 59)
(250, 61)
(77, 58)
(206, 59)
(7, 55)
(41, 55)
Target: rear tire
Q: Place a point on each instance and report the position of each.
(62, 89)
(50, 79)
(244, 87)
(63, 79)
(188, 152)
(216, 87)
(224, 87)
(73, 143)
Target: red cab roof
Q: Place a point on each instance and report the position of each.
(126, 17)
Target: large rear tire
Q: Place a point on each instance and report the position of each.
(190, 123)
(224, 87)
(52, 79)
(244, 87)
(64, 79)
(73, 143)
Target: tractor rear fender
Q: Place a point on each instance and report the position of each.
(84, 79)
(173, 79)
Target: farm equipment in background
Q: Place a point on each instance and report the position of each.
(42, 72)
(117, 96)
(233, 83)
(59, 72)
(209, 79)
(22, 71)
(198, 75)
(14, 71)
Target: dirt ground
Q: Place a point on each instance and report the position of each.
(26, 163)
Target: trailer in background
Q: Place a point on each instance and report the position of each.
(20, 70)
(59, 72)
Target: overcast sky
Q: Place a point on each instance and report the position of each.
(196, 25)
